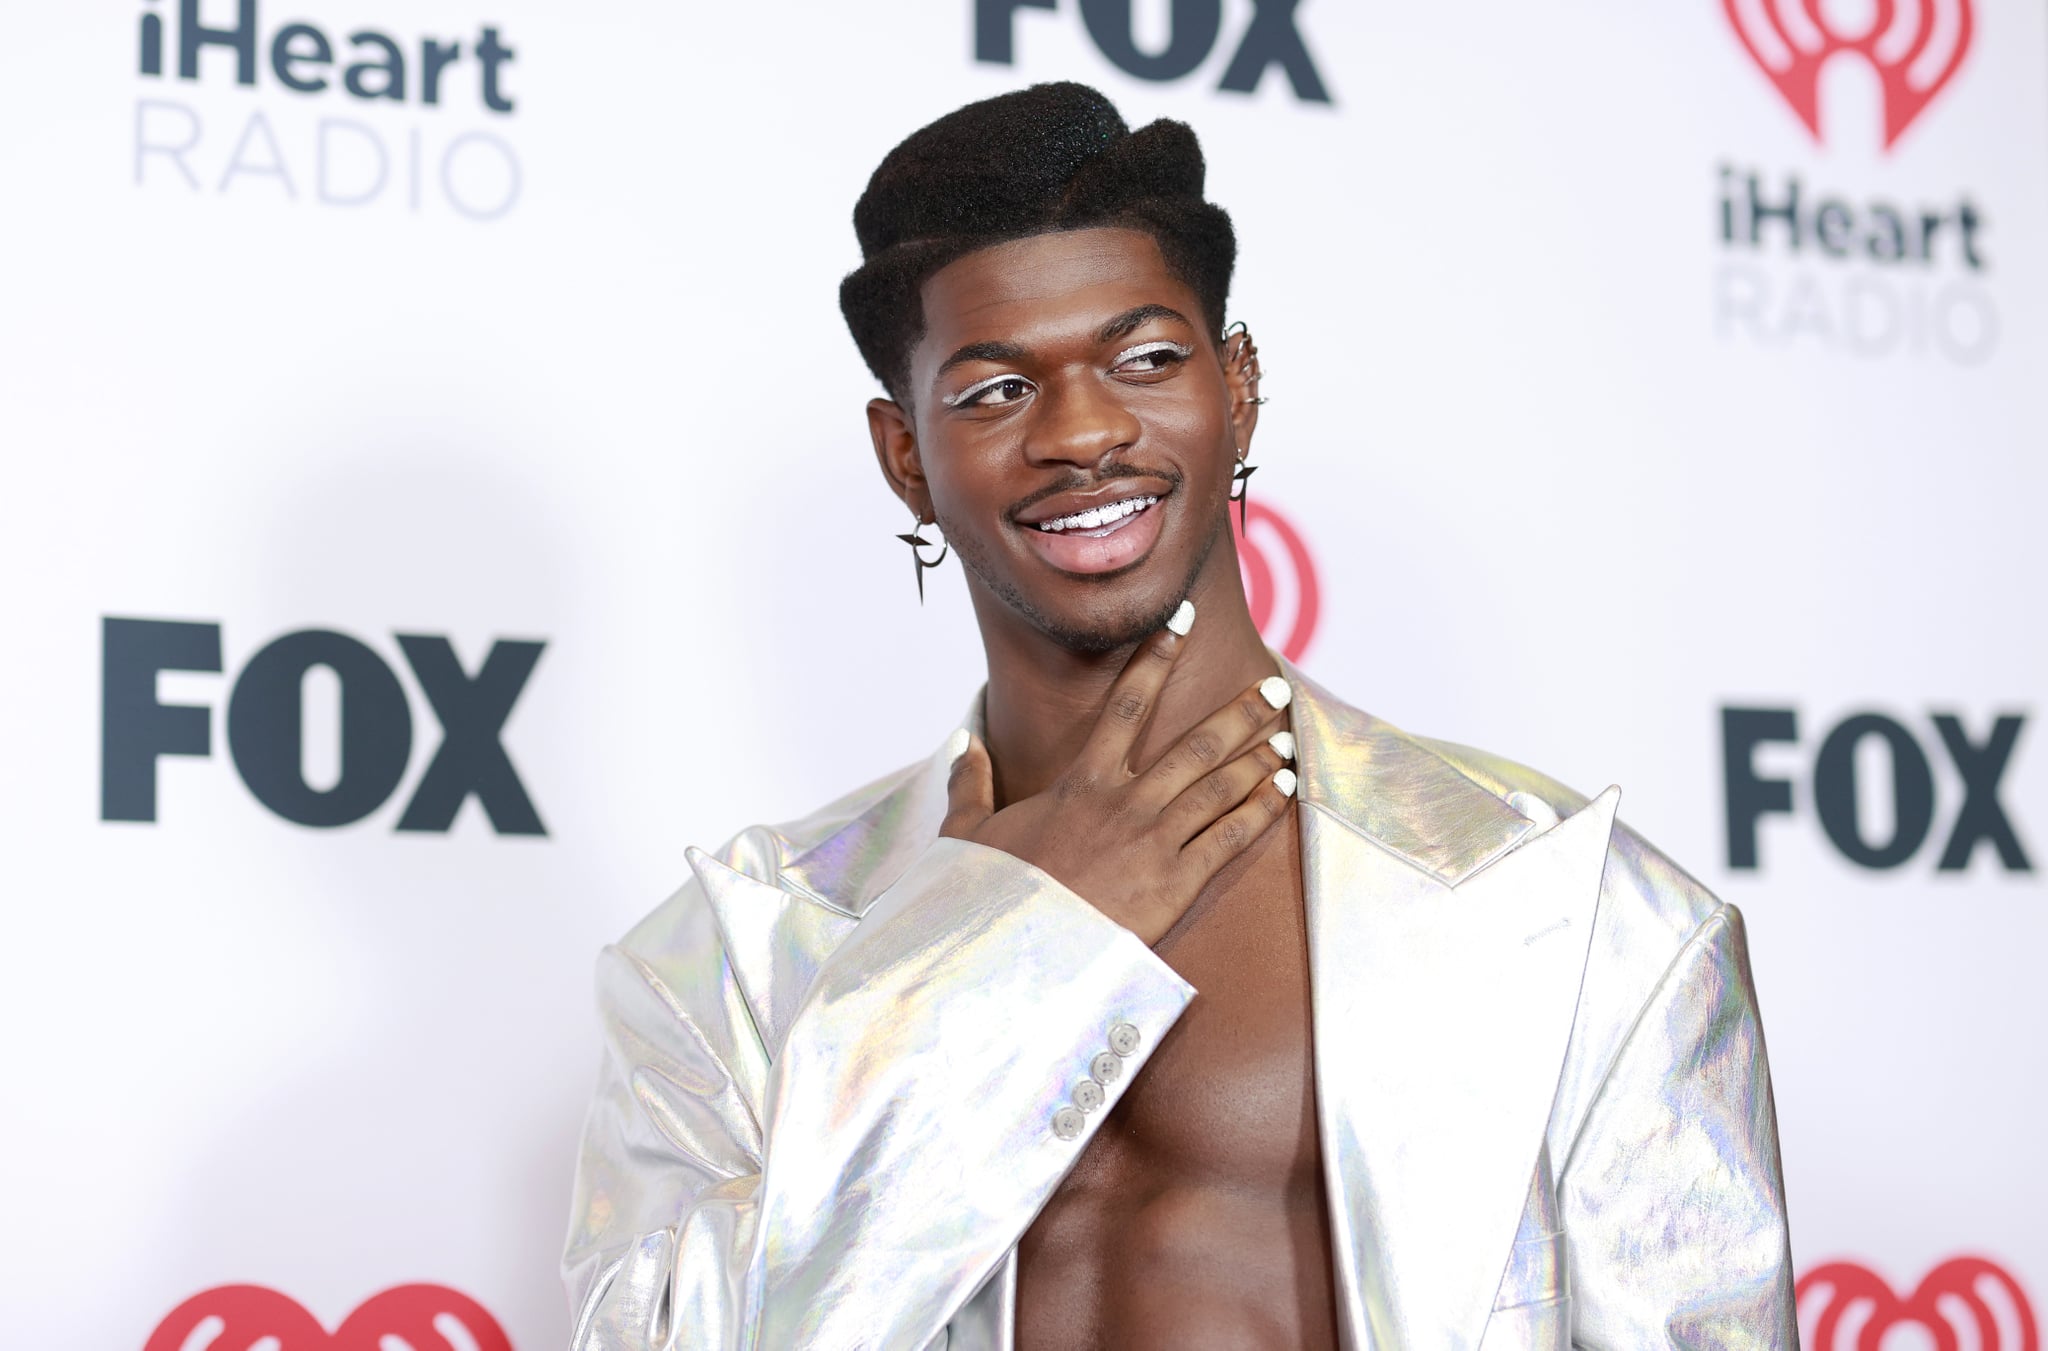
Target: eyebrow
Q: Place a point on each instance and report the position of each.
(1129, 320)
(983, 351)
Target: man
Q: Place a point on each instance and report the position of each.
(1175, 1003)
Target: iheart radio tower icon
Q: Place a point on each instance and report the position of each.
(1914, 45)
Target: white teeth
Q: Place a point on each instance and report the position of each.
(1095, 517)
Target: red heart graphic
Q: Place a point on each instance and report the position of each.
(1915, 49)
(1837, 1287)
(427, 1317)
(1258, 566)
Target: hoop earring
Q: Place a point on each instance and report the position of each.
(917, 542)
(1247, 358)
(1241, 487)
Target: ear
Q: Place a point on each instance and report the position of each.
(1241, 377)
(896, 451)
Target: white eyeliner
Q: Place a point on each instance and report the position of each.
(1144, 349)
(955, 400)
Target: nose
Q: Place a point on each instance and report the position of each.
(1079, 421)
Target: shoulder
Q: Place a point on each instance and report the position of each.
(1640, 878)
(763, 851)
(734, 947)
(837, 855)
(1656, 925)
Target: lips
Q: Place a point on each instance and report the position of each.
(1102, 537)
(1099, 520)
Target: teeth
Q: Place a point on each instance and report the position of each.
(1096, 517)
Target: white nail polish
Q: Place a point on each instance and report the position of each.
(1284, 780)
(1183, 619)
(1283, 742)
(1275, 691)
(956, 744)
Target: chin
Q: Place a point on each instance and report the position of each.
(1095, 616)
(1099, 634)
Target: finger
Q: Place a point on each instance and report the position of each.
(1254, 715)
(1220, 791)
(1205, 855)
(1135, 693)
(970, 788)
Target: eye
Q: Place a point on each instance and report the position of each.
(993, 392)
(1149, 358)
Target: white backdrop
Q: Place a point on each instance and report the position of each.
(1574, 472)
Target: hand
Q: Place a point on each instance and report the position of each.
(1140, 847)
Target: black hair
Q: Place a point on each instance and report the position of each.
(1051, 157)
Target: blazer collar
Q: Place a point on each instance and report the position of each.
(1383, 783)
(1395, 791)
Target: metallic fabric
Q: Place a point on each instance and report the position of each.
(833, 1060)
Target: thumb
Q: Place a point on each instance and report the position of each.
(971, 790)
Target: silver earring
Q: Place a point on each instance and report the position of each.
(1247, 359)
(1241, 487)
(917, 542)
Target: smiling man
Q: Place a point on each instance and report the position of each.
(1173, 1003)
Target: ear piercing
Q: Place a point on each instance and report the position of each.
(917, 542)
(1241, 486)
(1246, 360)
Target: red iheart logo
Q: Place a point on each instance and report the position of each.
(1914, 45)
(1279, 579)
(419, 1317)
(1965, 1304)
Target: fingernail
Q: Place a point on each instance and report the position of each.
(1284, 780)
(956, 744)
(1275, 691)
(1282, 742)
(1183, 619)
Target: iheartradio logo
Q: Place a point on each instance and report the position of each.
(257, 1318)
(1915, 46)
(1965, 1304)
(1279, 578)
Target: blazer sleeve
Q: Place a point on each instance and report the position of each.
(1673, 1199)
(901, 1136)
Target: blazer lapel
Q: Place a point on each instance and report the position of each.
(775, 940)
(836, 864)
(1448, 935)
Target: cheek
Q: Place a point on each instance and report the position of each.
(969, 477)
(1195, 409)
(1196, 432)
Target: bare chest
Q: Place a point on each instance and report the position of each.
(1229, 1095)
(1195, 1216)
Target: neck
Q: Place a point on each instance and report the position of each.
(1043, 699)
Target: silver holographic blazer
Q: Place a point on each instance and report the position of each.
(833, 1059)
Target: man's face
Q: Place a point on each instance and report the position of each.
(1073, 429)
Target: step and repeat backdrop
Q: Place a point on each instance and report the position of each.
(437, 493)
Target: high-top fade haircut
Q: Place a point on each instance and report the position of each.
(1051, 157)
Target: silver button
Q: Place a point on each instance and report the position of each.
(1123, 1039)
(1106, 1067)
(1087, 1095)
(1067, 1123)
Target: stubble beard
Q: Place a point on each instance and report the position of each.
(1109, 636)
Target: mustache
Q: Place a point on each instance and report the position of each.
(1114, 469)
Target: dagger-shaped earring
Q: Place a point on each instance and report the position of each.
(917, 543)
(1241, 487)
